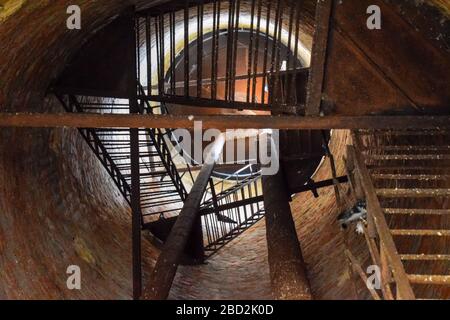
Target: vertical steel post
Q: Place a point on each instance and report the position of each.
(266, 53)
(135, 179)
(250, 51)
(255, 65)
(186, 49)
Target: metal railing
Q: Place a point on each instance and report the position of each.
(229, 211)
(180, 62)
(162, 191)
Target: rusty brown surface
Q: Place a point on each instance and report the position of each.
(396, 69)
(85, 120)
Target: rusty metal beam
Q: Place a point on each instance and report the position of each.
(136, 213)
(318, 59)
(136, 218)
(166, 266)
(52, 120)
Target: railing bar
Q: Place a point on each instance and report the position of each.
(200, 12)
(205, 232)
(149, 54)
(235, 44)
(229, 48)
(256, 59)
(162, 48)
(138, 44)
(297, 35)
(216, 226)
(213, 47)
(274, 53)
(205, 222)
(186, 49)
(150, 198)
(172, 52)
(289, 56)
(158, 53)
(278, 39)
(250, 51)
(266, 52)
(237, 210)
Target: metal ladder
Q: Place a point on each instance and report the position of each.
(410, 175)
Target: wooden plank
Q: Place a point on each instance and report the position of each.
(403, 286)
(52, 120)
(318, 58)
(166, 266)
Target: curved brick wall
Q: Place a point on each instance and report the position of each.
(58, 207)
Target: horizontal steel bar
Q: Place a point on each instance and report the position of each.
(232, 205)
(207, 103)
(319, 185)
(52, 120)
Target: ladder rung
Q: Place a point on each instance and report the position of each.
(423, 177)
(420, 232)
(394, 211)
(407, 157)
(376, 168)
(409, 148)
(404, 133)
(413, 193)
(429, 279)
(425, 257)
